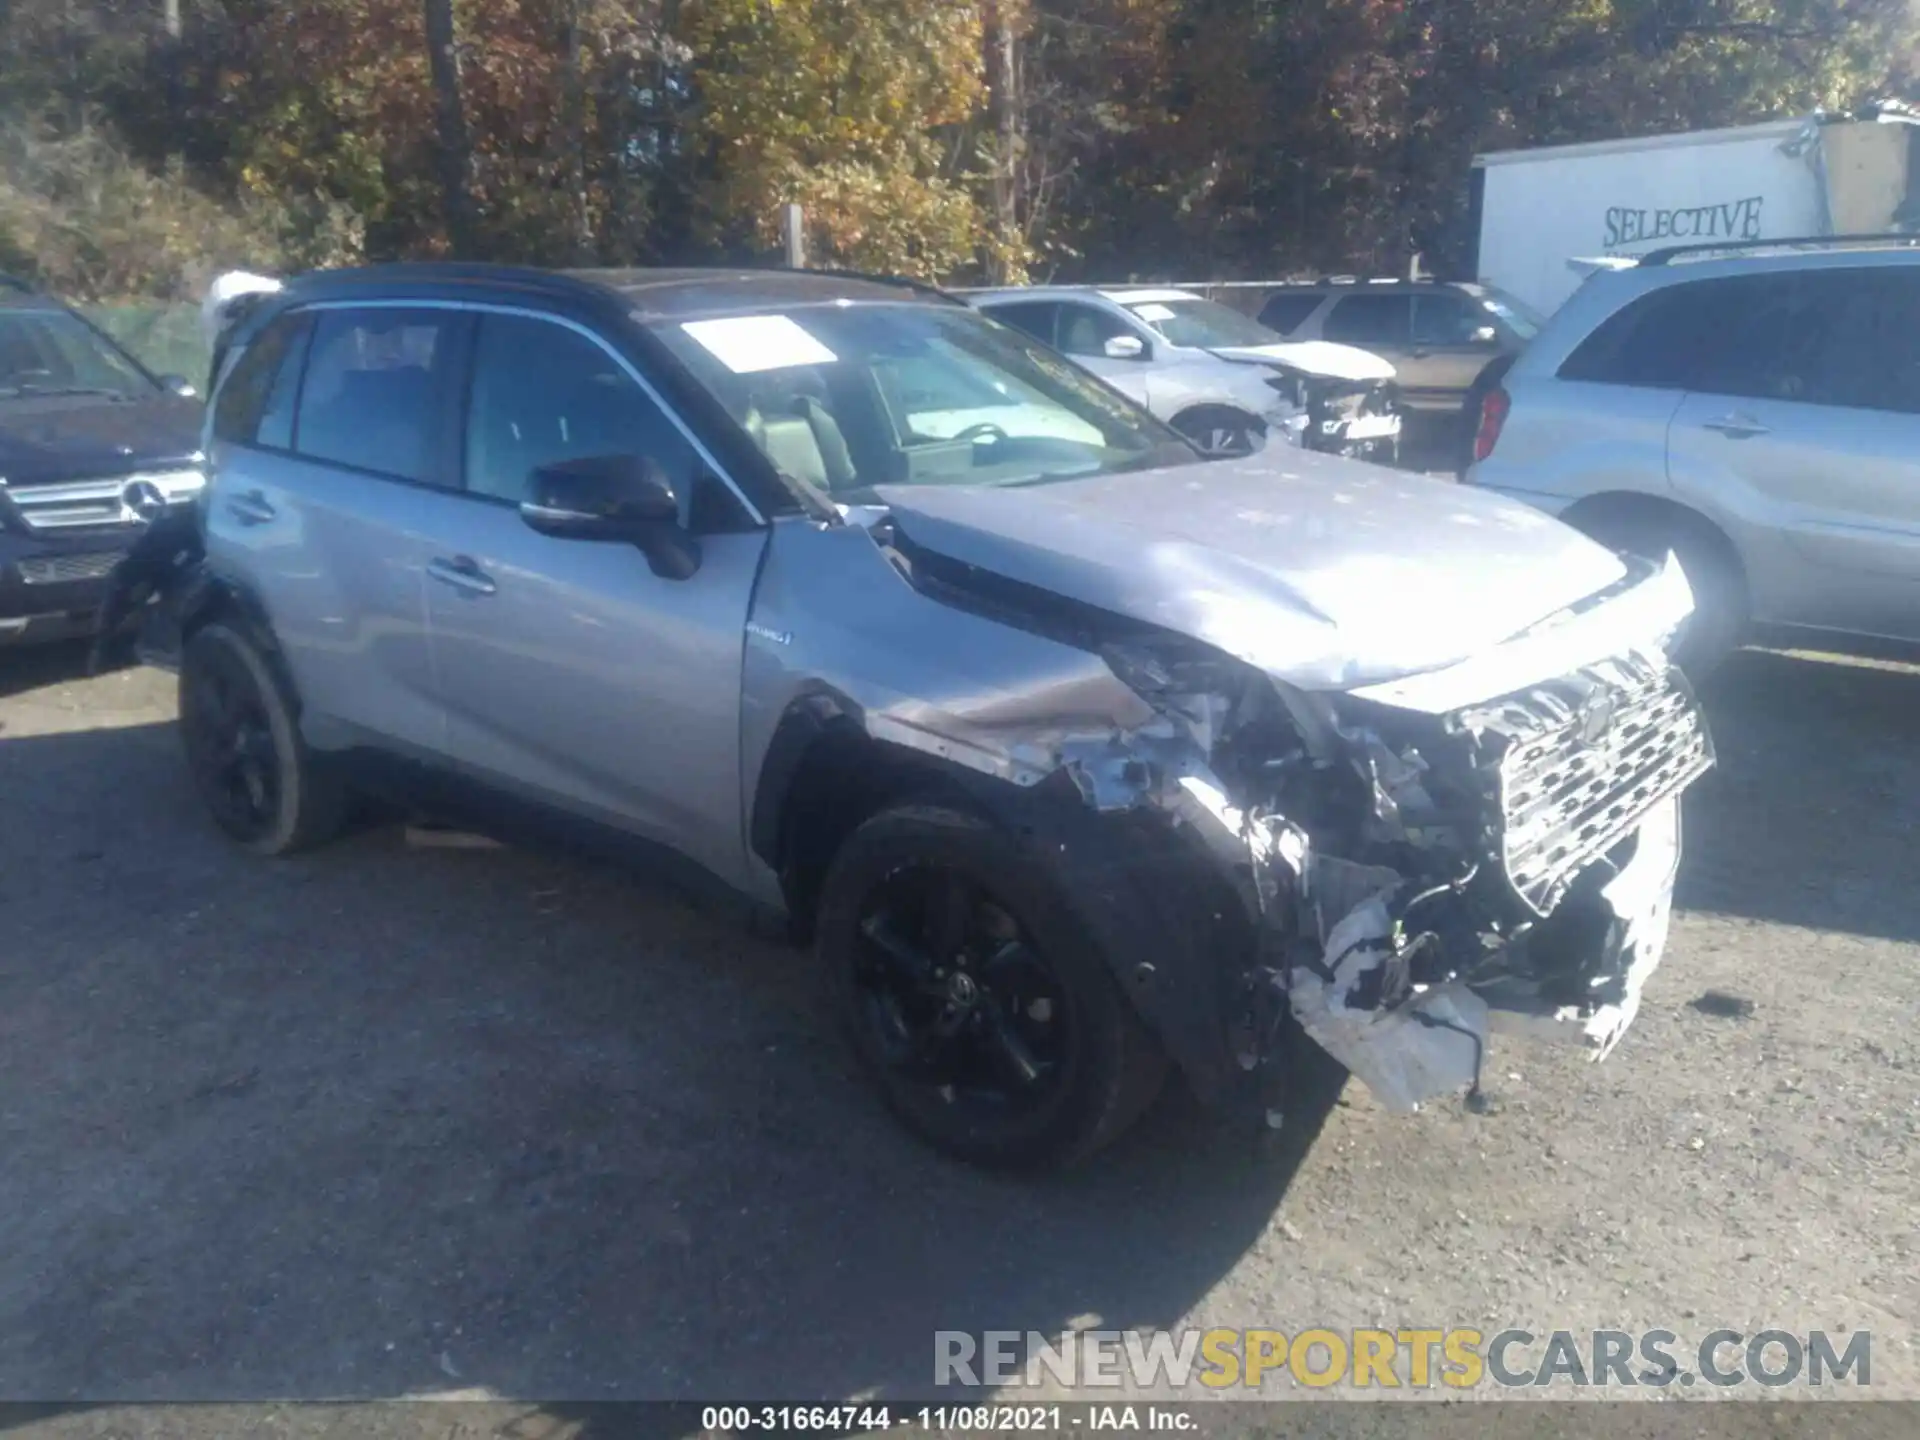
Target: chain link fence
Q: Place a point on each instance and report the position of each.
(163, 337)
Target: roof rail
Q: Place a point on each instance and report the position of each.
(14, 282)
(920, 287)
(1670, 253)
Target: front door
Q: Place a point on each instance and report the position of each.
(1083, 333)
(1453, 341)
(570, 673)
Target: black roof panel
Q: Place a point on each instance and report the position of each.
(651, 293)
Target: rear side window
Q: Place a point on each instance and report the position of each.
(1676, 338)
(1286, 313)
(1035, 317)
(255, 405)
(371, 395)
(1371, 320)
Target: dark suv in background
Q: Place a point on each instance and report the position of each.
(92, 448)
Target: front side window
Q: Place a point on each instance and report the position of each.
(371, 394)
(543, 394)
(1085, 329)
(1371, 320)
(1521, 318)
(1037, 318)
(841, 399)
(52, 352)
(1446, 320)
(1201, 324)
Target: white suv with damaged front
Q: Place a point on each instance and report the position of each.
(1078, 758)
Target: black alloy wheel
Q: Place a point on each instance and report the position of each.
(955, 996)
(230, 744)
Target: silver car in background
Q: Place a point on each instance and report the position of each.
(1755, 413)
(1078, 757)
(1223, 380)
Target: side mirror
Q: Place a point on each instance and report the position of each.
(1485, 335)
(1124, 347)
(178, 385)
(614, 497)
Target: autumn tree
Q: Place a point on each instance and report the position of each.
(854, 110)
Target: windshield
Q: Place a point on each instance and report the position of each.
(844, 398)
(1521, 317)
(49, 352)
(1202, 324)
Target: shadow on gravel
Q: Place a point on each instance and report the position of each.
(382, 1121)
(1811, 816)
(30, 667)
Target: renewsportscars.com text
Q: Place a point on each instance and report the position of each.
(1458, 1358)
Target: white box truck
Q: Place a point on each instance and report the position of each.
(1548, 217)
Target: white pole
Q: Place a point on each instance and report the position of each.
(793, 226)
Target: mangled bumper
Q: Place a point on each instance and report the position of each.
(1434, 1042)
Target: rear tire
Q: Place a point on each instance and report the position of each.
(261, 784)
(975, 998)
(1718, 625)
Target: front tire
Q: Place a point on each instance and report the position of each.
(1220, 433)
(261, 784)
(974, 997)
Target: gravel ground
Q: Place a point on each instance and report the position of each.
(387, 1121)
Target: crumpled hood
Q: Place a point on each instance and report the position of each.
(1326, 573)
(60, 437)
(1316, 357)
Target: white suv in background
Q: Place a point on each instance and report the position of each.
(1756, 413)
(1217, 376)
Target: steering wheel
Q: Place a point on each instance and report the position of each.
(985, 430)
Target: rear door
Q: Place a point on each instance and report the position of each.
(571, 674)
(328, 462)
(1805, 418)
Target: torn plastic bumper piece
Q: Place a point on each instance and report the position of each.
(1412, 1043)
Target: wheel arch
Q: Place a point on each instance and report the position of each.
(821, 777)
(1165, 918)
(1616, 511)
(1223, 408)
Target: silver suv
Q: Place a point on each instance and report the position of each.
(1756, 414)
(1078, 756)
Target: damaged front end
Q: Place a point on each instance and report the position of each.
(1414, 868)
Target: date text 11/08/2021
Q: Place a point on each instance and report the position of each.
(781, 1419)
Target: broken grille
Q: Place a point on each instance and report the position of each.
(1602, 752)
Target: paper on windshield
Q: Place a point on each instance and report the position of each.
(747, 344)
(1153, 312)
